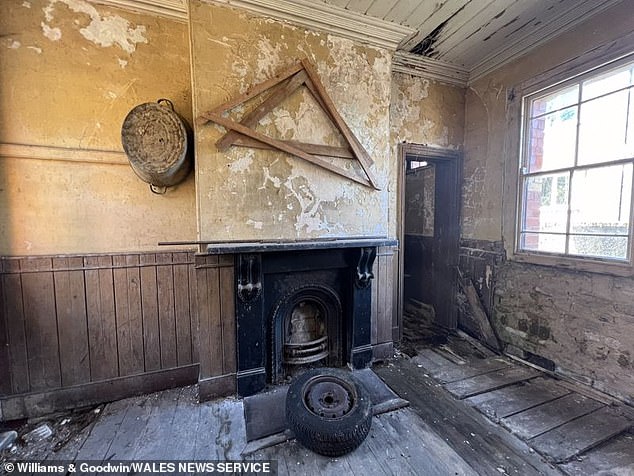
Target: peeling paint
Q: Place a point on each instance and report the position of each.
(103, 31)
(37, 49)
(14, 45)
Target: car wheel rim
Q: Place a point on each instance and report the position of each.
(328, 398)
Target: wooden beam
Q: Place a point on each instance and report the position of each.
(363, 157)
(251, 119)
(251, 93)
(229, 124)
(316, 149)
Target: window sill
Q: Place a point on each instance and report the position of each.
(574, 264)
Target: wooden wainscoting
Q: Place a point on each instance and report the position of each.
(385, 326)
(83, 329)
(217, 324)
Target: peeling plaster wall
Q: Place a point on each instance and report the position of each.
(424, 111)
(70, 71)
(245, 193)
(583, 322)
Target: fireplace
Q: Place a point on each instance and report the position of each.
(300, 304)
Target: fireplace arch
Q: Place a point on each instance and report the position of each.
(306, 327)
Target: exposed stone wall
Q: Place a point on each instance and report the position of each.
(583, 322)
(580, 321)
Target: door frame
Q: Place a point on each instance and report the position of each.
(454, 159)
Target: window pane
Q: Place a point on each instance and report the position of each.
(546, 203)
(541, 242)
(602, 129)
(599, 246)
(554, 101)
(606, 83)
(552, 140)
(600, 200)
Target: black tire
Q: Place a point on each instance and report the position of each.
(329, 411)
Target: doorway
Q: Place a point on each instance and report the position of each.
(430, 234)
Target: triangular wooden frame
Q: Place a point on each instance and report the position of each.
(244, 134)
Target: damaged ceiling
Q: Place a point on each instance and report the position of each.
(477, 35)
(462, 40)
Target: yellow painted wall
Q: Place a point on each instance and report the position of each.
(250, 194)
(70, 71)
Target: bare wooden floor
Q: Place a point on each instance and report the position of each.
(577, 429)
(485, 417)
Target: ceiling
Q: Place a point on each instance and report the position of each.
(452, 40)
(477, 35)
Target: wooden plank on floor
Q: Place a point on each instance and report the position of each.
(103, 432)
(446, 371)
(615, 457)
(489, 447)
(542, 418)
(128, 434)
(424, 450)
(490, 381)
(573, 438)
(221, 433)
(184, 425)
(517, 398)
(157, 434)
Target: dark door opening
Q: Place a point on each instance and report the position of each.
(430, 233)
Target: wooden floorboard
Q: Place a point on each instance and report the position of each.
(573, 438)
(489, 381)
(103, 431)
(447, 371)
(482, 445)
(157, 435)
(516, 398)
(615, 457)
(543, 418)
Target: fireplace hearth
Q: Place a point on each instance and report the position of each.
(301, 303)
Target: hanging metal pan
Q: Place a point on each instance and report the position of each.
(155, 139)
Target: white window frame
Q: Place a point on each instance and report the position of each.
(546, 84)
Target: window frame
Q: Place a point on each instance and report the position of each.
(533, 89)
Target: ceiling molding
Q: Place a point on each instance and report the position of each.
(174, 9)
(428, 68)
(553, 29)
(331, 19)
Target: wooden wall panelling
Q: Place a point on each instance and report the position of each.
(166, 311)
(149, 305)
(193, 306)
(102, 326)
(16, 325)
(375, 305)
(384, 330)
(228, 313)
(41, 323)
(396, 299)
(129, 314)
(72, 324)
(5, 373)
(183, 313)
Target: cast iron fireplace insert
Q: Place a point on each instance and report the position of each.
(300, 303)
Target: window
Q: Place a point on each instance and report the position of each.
(576, 168)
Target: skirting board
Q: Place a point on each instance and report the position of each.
(43, 403)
